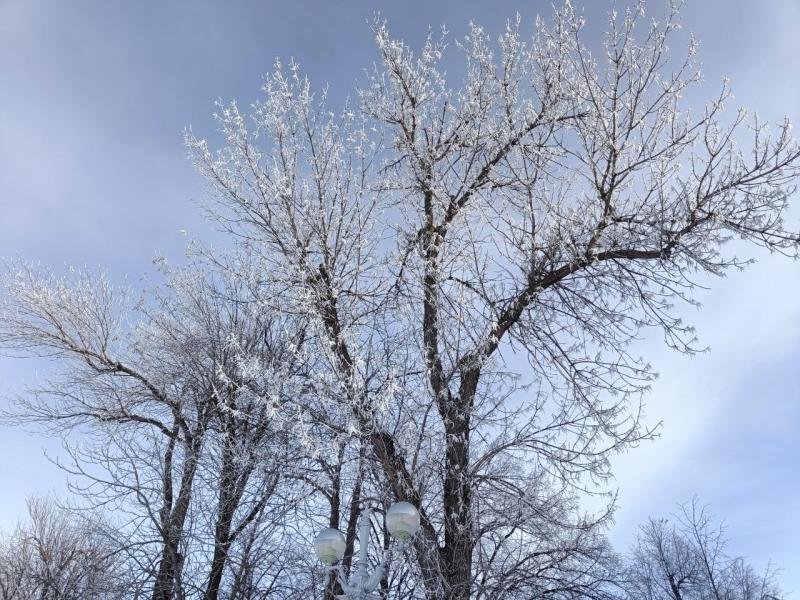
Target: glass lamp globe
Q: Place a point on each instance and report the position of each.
(402, 520)
(329, 546)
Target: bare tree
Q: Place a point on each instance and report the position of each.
(547, 209)
(178, 405)
(150, 435)
(686, 559)
(59, 555)
(245, 372)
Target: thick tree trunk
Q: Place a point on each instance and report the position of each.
(457, 500)
(676, 590)
(446, 571)
(168, 572)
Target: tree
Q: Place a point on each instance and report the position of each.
(58, 555)
(547, 209)
(686, 559)
(177, 403)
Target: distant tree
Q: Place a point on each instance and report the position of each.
(435, 238)
(687, 559)
(59, 555)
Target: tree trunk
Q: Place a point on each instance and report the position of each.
(168, 570)
(457, 493)
(173, 519)
(220, 557)
(226, 507)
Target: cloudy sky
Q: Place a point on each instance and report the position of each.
(94, 97)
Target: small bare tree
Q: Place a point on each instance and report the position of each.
(686, 559)
(59, 555)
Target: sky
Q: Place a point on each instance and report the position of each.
(95, 96)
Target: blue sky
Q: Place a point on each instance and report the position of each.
(94, 97)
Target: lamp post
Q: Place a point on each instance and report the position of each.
(402, 521)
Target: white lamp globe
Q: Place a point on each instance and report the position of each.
(402, 520)
(329, 546)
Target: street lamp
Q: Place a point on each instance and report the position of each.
(402, 521)
(329, 546)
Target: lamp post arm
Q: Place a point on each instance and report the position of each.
(342, 579)
(375, 578)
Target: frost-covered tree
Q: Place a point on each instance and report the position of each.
(56, 554)
(173, 410)
(474, 258)
(687, 559)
